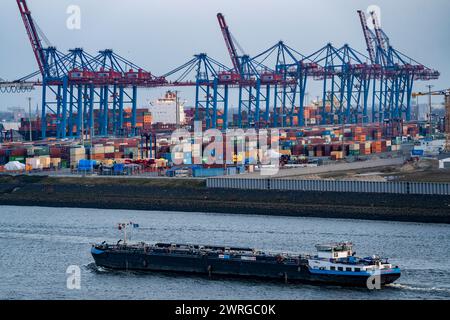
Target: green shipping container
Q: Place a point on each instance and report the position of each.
(42, 151)
(20, 159)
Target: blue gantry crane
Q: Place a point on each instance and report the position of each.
(346, 83)
(271, 85)
(246, 77)
(74, 83)
(289, 79)
(394, 74)
(212, 80)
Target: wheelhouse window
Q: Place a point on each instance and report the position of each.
(340, 269)
(357, 269)
(332, 268)
(348, 269)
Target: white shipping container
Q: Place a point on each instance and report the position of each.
(187, 147)
(109, 149)
(178, 155)
(35, 163)
(98, 150)
(77, 150)
(44, 161)
(77, 158)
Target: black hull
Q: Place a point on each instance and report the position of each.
(216, 267)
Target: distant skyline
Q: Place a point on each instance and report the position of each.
(160, 35)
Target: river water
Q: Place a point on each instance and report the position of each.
(38, 245)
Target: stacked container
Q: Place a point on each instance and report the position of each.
(76, 154)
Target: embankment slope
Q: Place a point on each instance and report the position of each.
(192, 195)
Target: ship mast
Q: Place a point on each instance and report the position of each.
(123, 226)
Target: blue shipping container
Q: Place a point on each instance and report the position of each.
(84, 164)
(167, 156)
(118, 168)
(240, 169)
(211, 172)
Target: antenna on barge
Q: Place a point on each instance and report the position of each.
(123, 227)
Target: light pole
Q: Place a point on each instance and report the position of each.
(29, 117)
(429, 107)
(177, 109)
(82, 126)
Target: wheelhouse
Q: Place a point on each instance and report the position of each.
(334, 250)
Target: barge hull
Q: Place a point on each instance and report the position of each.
(214, 266)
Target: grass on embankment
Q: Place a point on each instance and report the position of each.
(95, 180)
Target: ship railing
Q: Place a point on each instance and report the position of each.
(136, 247)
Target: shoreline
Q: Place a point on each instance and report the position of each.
(192, 196)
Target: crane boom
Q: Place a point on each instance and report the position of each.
(377, 28)
(367, 35)
(32, 34)
(229, 43)
(378, 34)
(433, 93)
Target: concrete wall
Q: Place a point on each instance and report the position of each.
(331, 186)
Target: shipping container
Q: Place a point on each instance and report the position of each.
(207, 172)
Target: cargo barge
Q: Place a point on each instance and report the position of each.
(334, 264)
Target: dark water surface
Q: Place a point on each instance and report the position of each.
(37, 245)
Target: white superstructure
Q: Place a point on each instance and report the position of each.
(429, 147)
(164, 110)
(339, 257)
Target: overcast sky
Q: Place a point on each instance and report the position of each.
(159, 35)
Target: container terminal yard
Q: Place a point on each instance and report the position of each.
(208, 151)
(362, 127)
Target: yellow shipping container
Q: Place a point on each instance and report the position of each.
(45, 161)
(55, 162)
(237, 157)
(338, 154)
(107, 162)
